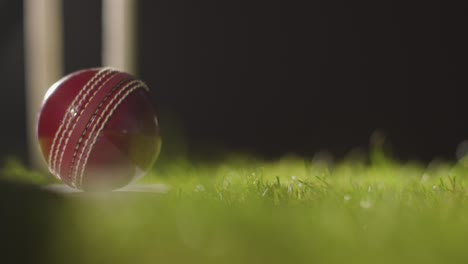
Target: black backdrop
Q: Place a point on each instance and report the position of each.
(274, 77)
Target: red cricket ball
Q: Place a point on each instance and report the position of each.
(97, 129)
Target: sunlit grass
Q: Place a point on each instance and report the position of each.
(245, 210)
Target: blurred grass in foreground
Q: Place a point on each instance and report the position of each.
(249, 211)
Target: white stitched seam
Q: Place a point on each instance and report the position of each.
(75, 151)
(78, 168)
(68, 118)
(74, 167)
(111, 112)
(107, 75)
(53, 150)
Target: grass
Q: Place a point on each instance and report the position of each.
(244, 210)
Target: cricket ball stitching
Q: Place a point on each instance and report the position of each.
(83, 133)
(54, 149)
(108, 74)
(73, 166)
(65, 124)
(140, 84)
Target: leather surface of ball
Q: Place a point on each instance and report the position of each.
(97, 129)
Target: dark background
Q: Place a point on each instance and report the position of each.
(275, 77)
